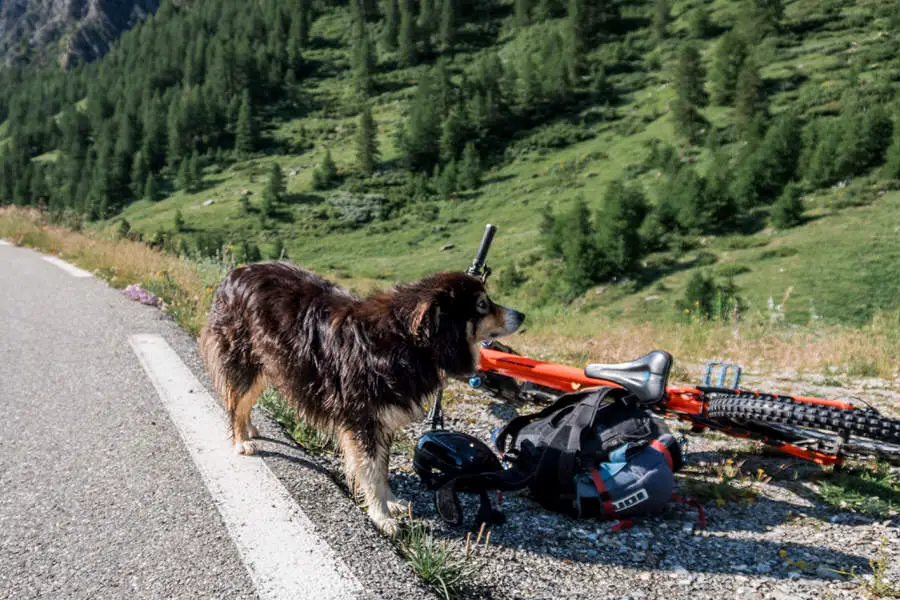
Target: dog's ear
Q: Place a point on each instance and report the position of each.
(425, 319)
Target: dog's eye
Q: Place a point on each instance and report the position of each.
(482, 306)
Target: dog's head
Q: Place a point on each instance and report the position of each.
(451, 313)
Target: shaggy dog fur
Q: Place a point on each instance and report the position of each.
(357, 368)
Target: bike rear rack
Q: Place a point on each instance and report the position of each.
(723, 369)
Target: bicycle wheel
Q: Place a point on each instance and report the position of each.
(859, 431)
(824, 441)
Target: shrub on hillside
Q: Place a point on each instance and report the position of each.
(357, 209)
(849, 145)
(787, 211)
(770, 165)
(510, 279)
(325, 175)
(598, 249)
(707, 298)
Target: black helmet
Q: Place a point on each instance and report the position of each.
(442, 456)
(450, 461)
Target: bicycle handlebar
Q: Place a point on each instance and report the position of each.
(481, 256)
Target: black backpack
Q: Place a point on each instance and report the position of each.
(574, 439)
(592, 453)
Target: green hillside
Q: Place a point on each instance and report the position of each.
(810, 101)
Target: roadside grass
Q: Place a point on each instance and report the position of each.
(876, 584)
(445, 565)
(722, 483)
(872, 490)
(185, 286)
(313, 441)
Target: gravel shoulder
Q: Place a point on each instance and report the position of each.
(783, 542)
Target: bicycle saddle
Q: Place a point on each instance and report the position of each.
(645, 377)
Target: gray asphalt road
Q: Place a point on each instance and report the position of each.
(98, 495)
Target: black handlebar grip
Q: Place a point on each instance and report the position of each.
(486, 240)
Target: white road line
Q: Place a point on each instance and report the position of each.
(68, 268)
(275, 538)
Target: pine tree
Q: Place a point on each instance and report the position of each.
(546, 9)
(139, 172)
(325, 174)
(363, 58)
(276, 187)
(728, 59)
(296, 41)
(150, 188)
(177, 129)
(787, 211)
(407, 37)
(579, 34)
(582, 262)
(193, 172)
(183, 178)
(690, 95)
(447, 32)
(892, 158)
(245, 130)
(523, 13)
(761, 18)
(529, 81)
(124, 229)
(391, 28)
(303, 18)
(277, 251)
(420, 138)
(470, 169)
(179, 220)
(267, 208)
(426, 24)
(367, 142)
(698, 23)
(618, 225)
(662, 16)
(750, 101)
(451, 136)
(447, 180)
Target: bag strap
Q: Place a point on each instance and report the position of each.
(512, 428)
(562, 455)
(701, 515)
(582, 419)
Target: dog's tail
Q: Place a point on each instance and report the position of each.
(211, 353)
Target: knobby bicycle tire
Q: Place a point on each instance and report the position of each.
(787, 411)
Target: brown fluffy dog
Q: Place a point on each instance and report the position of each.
(356, 368)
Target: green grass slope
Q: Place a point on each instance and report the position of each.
(840, 265)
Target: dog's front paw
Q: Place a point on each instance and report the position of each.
(245, 447)
(398, 507)
(387, 526)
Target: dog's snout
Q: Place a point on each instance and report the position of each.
(512, 319)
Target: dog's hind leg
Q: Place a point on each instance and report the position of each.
(241, 428)
(367, 476)
(396, 506)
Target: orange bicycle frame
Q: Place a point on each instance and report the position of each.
(685, 403)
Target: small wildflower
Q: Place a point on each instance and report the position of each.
(720, 501)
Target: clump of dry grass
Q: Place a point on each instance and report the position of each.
(184, 285)
(761, 347)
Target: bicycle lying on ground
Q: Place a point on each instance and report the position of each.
(819, 430)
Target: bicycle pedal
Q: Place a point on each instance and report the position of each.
(722, 369)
